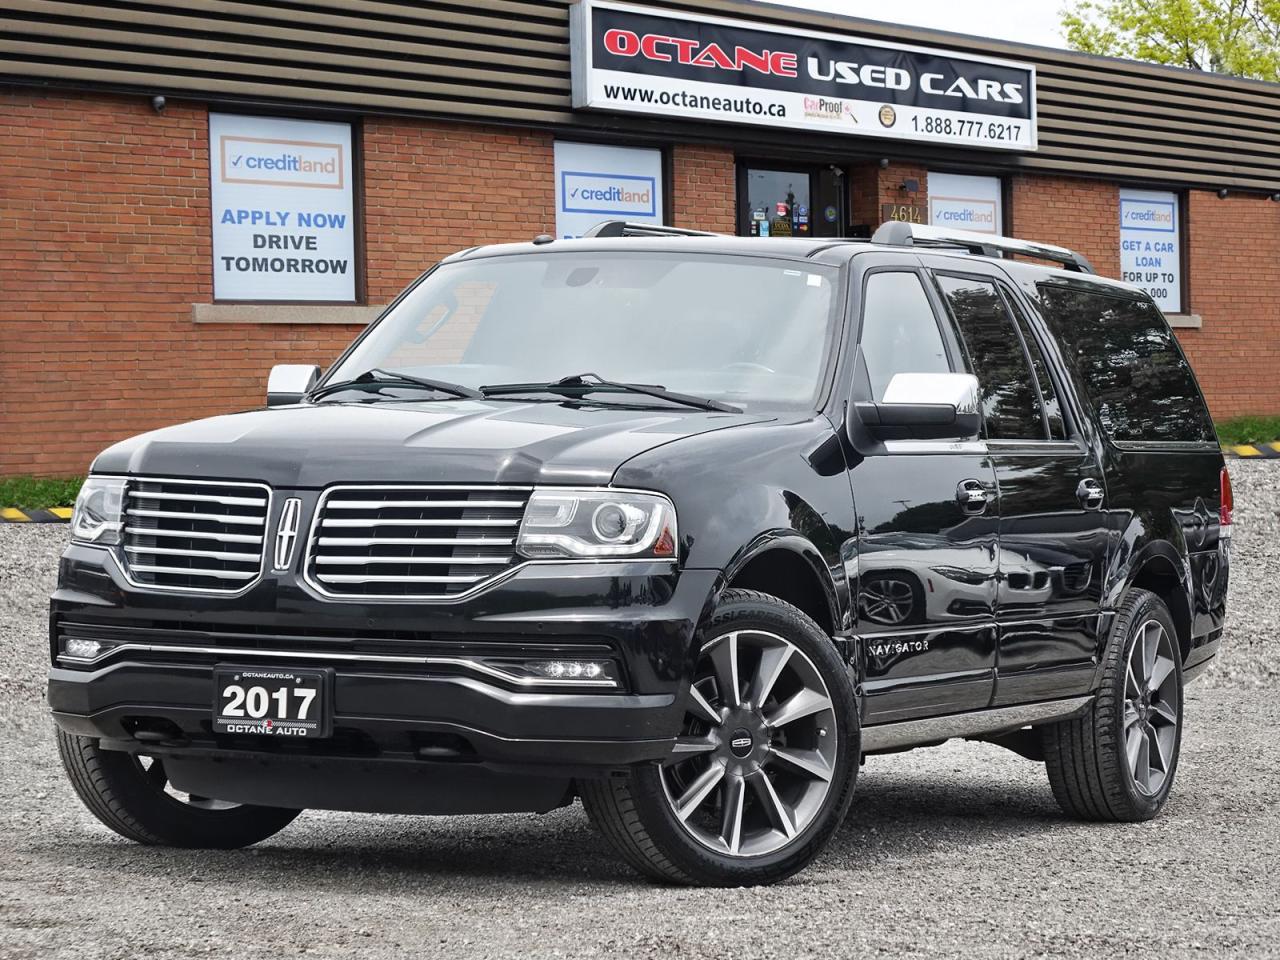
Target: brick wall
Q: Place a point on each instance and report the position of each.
(1081, 214)
(1234, 271)
(704, 188)
(434, 188)
(871, 186)
(105, 244)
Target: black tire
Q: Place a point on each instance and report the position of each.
(118, 791)
(634, 813)
(1089, 769)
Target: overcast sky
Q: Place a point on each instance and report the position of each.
(1027, 21)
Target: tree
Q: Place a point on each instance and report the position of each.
(1239, 37)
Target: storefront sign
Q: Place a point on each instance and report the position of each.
(283, 219)
(1151, 245)
(638, 60)
(965, 202)
(595, 183)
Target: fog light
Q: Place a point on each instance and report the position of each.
(572, 669)
(595, 673)
(82, 649)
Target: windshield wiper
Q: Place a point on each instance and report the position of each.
(380, 377)
(581, 384)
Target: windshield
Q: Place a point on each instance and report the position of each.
(750, 331)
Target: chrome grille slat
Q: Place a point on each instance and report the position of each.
(195, 572)
(413, 542)
(200, 498)
(199, 536)
(416, 541)
(183, 515)
(399, 504)
(174, 552)
(379, 578)
(438, 561)
(195, 535)
(404, 522)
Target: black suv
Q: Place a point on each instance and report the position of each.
(886, 494)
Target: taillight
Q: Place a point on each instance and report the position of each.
(1226, 504)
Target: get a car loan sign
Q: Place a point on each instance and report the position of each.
(637, 60)
(282, 209)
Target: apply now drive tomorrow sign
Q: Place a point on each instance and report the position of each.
(283, 212)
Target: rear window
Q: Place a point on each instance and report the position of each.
(1138, 381)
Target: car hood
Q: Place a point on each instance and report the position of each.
(465, 441)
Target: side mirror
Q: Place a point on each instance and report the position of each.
(290, 382)
(924, 406)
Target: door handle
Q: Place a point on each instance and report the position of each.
(971, 495)
(1090, 494)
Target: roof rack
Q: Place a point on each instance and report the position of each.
(896, 233)
(621, 228)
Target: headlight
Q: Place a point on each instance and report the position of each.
(99, 510)
(597, 522)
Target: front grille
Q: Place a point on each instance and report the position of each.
(428, 543)
(194, 534)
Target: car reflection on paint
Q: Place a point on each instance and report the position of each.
(905, 579)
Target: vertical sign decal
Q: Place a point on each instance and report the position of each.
(283, 214)
(1151, 245)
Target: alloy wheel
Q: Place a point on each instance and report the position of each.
(1152, 708)
(887, 600)
(757, 754)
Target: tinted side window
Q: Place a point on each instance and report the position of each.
(1048, 393)
(1010, 400)
(899, 331)
(1138, 383)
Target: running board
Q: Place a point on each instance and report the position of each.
(914, 733)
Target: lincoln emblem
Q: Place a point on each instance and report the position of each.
(287, 533)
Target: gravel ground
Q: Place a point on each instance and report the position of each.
(956, 850)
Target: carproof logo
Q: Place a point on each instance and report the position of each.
(1156, 216)
(608, 193)
(291, 163)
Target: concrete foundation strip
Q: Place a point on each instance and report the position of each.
(1254, 451)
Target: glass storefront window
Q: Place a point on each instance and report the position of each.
(778, 203)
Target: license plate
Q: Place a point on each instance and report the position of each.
(271, 702)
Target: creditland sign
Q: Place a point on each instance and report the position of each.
(283, 211)
(638, 60)
(595, 182)
(965, 202)
(1151, 245)
(609, 194)
(293, 163)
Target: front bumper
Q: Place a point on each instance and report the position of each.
(401, 699)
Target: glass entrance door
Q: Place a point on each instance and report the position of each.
(777, 203)
(791, 201)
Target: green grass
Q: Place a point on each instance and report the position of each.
(1259, 429)
(37, 493)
